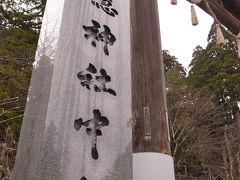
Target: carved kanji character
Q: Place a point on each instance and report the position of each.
(100, 81)
(93, 129)
(106, 6)
(86, 79)
(107, 37)
(92, 32)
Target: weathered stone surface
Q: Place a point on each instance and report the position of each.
(67, 152)
(33, 127)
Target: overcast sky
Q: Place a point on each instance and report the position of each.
(177, 33)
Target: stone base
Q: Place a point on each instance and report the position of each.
(153, 166)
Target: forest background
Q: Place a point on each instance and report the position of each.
(203, 104)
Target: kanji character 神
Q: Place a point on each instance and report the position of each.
(105, 36)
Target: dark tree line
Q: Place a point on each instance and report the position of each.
(204, 111)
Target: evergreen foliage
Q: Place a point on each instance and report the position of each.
(25, 14)
(17, 51)
(198, 118)
(217, 69)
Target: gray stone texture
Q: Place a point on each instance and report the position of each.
(59, 151)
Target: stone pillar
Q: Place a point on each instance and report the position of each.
(86, 130)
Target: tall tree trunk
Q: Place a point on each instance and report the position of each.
(229, 152)
(238, 153)
(225, 164)
(209, 173)
(238, 160)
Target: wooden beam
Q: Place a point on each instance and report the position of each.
(231, 22)
(232, 6)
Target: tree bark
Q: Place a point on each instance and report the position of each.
(225, 164)
(229, 152)
(238, 160)
(238, 153)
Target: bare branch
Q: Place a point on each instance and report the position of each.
(10, 119)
